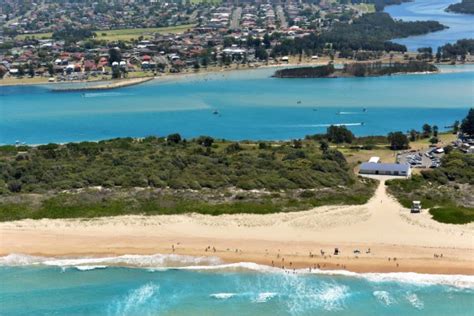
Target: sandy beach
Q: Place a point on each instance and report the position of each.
(398, 241)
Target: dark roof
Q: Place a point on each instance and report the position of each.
(371, 166)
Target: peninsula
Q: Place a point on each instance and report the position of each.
(357, 70)
(465, 7)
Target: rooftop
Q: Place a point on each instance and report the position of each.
(384, 166)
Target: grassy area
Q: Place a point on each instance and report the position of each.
(453, 214)
(424, 143)
(133, 34)
(365, 7)
(37, 36)
(122, 34)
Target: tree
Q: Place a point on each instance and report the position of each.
(434, 140)
(467, 125)
(448, 149)
(174, 138)
(435, 130)
(14, 186)
(116, 73)
(324, 146)
(398, 140)
(114, 56)
(266, 40)
(456, 127)
(31, 70)
(297, 143)
(339, 134)
(205, 141)
(50, 69)
(261, 53)
(426, 130)
(413, 135)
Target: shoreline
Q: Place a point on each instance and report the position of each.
(398, 241)
(105, 85)
(102, 84)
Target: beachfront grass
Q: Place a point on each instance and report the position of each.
(121, 34)
(453, 214)
(92, 203)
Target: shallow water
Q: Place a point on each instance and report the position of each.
(249, 104)
(32, 286)
(460, 25)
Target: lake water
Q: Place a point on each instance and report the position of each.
(460, 25)
(38, 286)
(248, 105)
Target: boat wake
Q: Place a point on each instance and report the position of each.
(323, 125)
(105, 94)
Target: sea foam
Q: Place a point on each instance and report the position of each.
(141, 261)
(222, 296)
(159, 262)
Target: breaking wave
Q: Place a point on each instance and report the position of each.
(415, 301)
(222, 296)
(137, 300)
(159, 262)
(88, 268)
(384, 297)
(264, 297)
(141, 261)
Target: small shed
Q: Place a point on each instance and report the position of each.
(374, 159)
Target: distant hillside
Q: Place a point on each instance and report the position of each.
(465, 6)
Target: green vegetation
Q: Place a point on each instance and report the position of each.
(118, 34)
(323, 71)
(453, 214)
(467, 125)
(398, 140)
(447, 191)
(465, 6)
(173, 175)
(133, 34)
(379, 4)
(370, 32)
(356, 70)
(460, 49)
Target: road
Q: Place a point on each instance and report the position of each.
(281, 16)
(235, 21)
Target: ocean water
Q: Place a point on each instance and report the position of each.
(249, 104)
(460, 25)
(198, 286)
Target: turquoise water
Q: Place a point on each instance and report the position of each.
(56, 288)
(460, 25)
(250, 105)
